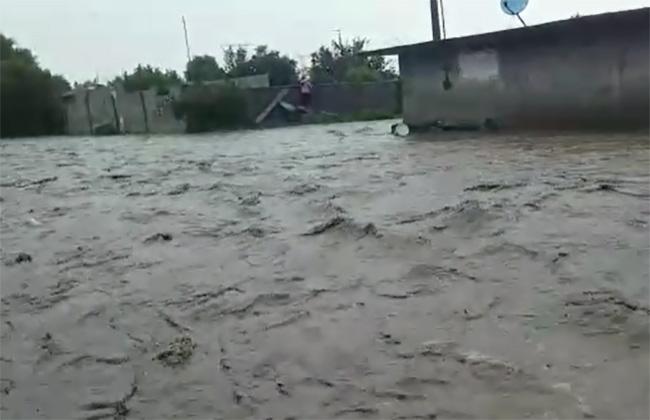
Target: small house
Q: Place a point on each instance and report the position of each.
(584, 72)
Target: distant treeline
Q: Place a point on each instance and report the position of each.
(31, 102)
(338, 62)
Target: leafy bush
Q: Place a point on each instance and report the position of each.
(280, 68)
(146, 77)
(217, 108)
(342, 62)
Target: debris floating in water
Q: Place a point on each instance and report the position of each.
(158, 237)
(325, 226)
(178, 352)
(400, 129)
(20, 258)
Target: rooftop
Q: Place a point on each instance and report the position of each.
(583, 27)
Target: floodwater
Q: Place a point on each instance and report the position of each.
(326, 272)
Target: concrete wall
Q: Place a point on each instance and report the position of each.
(101, 106)
(87, 109)
(129, 106)
(351, 98)
(76, 115)
(244, 82)
(336, 98)
(160, 112)
(147, 112)
(587, 72)
(137, 112)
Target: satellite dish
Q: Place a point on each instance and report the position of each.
(513, 7)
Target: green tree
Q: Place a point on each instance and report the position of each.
(280, 68)
(147, 77)
(60, 85)
(341, 62)
(10, 51)
(203, 68)
(204, 110)
(234, 59)
(30, 97)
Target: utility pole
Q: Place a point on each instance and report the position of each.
(187, 42)
(435, 20)
(442, 18)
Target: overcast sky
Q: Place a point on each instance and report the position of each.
(84, 38)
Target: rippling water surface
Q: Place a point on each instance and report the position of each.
(324, 272)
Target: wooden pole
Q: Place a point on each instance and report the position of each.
(145, 114)
(187, 42)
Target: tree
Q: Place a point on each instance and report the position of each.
(147, 77)
(234, 59)
(204, 68)
(9, 51)
(60, 85)
(280, 68)
(30, 97)
(213, 109)
(341, 62)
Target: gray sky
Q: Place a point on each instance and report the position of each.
(82, 38)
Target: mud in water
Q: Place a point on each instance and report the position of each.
(325, 272)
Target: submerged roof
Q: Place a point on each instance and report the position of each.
(629, 21)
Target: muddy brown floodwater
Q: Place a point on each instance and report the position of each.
(325, 272)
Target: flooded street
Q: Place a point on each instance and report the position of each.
(326, 272)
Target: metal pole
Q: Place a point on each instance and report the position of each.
(435, 20)
(521, 20)
(442, 18)
(516, 14)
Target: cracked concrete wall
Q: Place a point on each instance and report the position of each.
(156, 116)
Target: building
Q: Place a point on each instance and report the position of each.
(584, 72)
(243, 82)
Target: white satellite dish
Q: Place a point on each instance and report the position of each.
(514, 7)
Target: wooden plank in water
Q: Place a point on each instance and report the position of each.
(280, 96)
